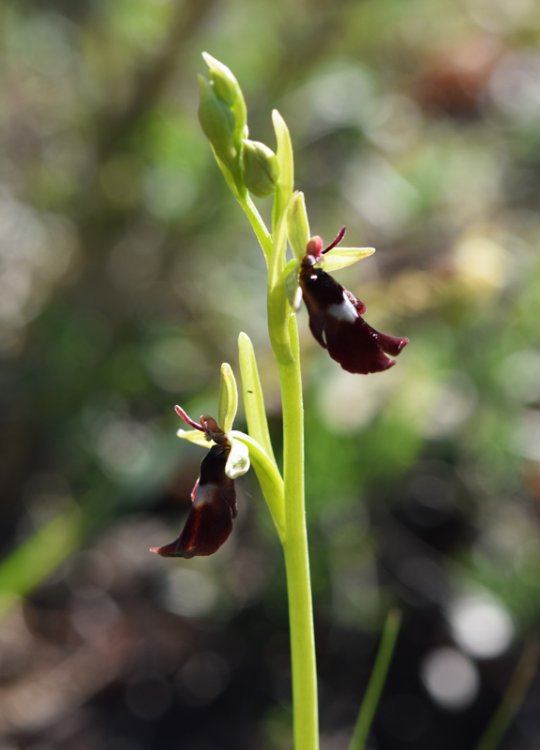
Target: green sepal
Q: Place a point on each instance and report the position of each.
(196, 437)
(228, 398)
(341, 257)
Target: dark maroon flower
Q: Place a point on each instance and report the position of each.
(335, 318)
(213, 499)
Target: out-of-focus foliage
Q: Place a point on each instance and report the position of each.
(126, 273)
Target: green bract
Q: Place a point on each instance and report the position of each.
(285, 159)
(228, 398)
(298, 224)
(252, 395)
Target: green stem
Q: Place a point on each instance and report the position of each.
(283, 332)
(304, 669)
(249, 208)
(376, 681)
(257, 224)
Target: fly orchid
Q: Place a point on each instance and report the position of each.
(213, 498)
(335, 314)
(253, 170)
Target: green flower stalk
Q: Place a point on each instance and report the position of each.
(251, 168)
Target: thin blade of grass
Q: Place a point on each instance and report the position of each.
(38, 556)
(513, 697)
(376, 681)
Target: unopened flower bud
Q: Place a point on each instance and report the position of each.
(260, 168)
(227, 89)
(217, 121)
(225, 84)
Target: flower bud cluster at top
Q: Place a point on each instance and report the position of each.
(223, 116)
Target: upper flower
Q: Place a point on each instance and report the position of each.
(335, 316)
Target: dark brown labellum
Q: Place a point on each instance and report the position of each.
(335, 321)
(212, 512)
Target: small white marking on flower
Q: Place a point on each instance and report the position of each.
(343, 311)
(238, 461)
(297, 299)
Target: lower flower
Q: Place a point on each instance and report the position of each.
(213, 509)
(213, 498)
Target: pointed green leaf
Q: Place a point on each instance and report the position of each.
(341, 257)
(252, 395)
(228, 398)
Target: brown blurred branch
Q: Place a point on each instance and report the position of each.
(150, 81)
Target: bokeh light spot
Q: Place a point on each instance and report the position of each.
(450, 678)
(481, 626)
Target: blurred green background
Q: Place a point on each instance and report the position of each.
(127, 272)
